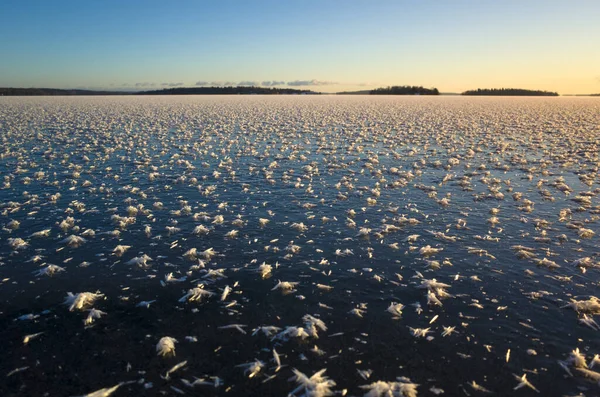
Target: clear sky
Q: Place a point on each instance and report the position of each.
(326, 45)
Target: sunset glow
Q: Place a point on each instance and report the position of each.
(325, 46)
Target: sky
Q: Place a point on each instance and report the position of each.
(325, 45)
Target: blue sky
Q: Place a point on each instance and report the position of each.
(322, 45)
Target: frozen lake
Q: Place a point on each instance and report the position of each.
(431, 244)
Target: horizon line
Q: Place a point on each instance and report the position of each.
(295, 88)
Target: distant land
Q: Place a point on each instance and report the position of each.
(54, 92)
(251, 90)
(363, 92)
(239, 90)
(405, 90)
(509, 92)
(395, 90)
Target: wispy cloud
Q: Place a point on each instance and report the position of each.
(248, 83)
(363, 84)
(272, 83)
(303, 83)
(202, 83)
(134, 85)
(221, 83)
(171, 84)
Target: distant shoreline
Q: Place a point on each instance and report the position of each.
(509, 92)
(389, 91)
(169, 91)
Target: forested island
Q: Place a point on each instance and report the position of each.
(239, 90)
(54, 92)
(404, 90)
(509, 92)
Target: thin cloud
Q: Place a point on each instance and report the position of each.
(226, 83)
(363, 84)
(272, 83)
(306, 83)
(171, 84)
(135, 85)
(222, 83)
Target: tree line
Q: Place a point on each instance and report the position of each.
(53, 92)
(239, 90)
(509, 92)
(404, 90)
(250, 90)
(167, 91)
